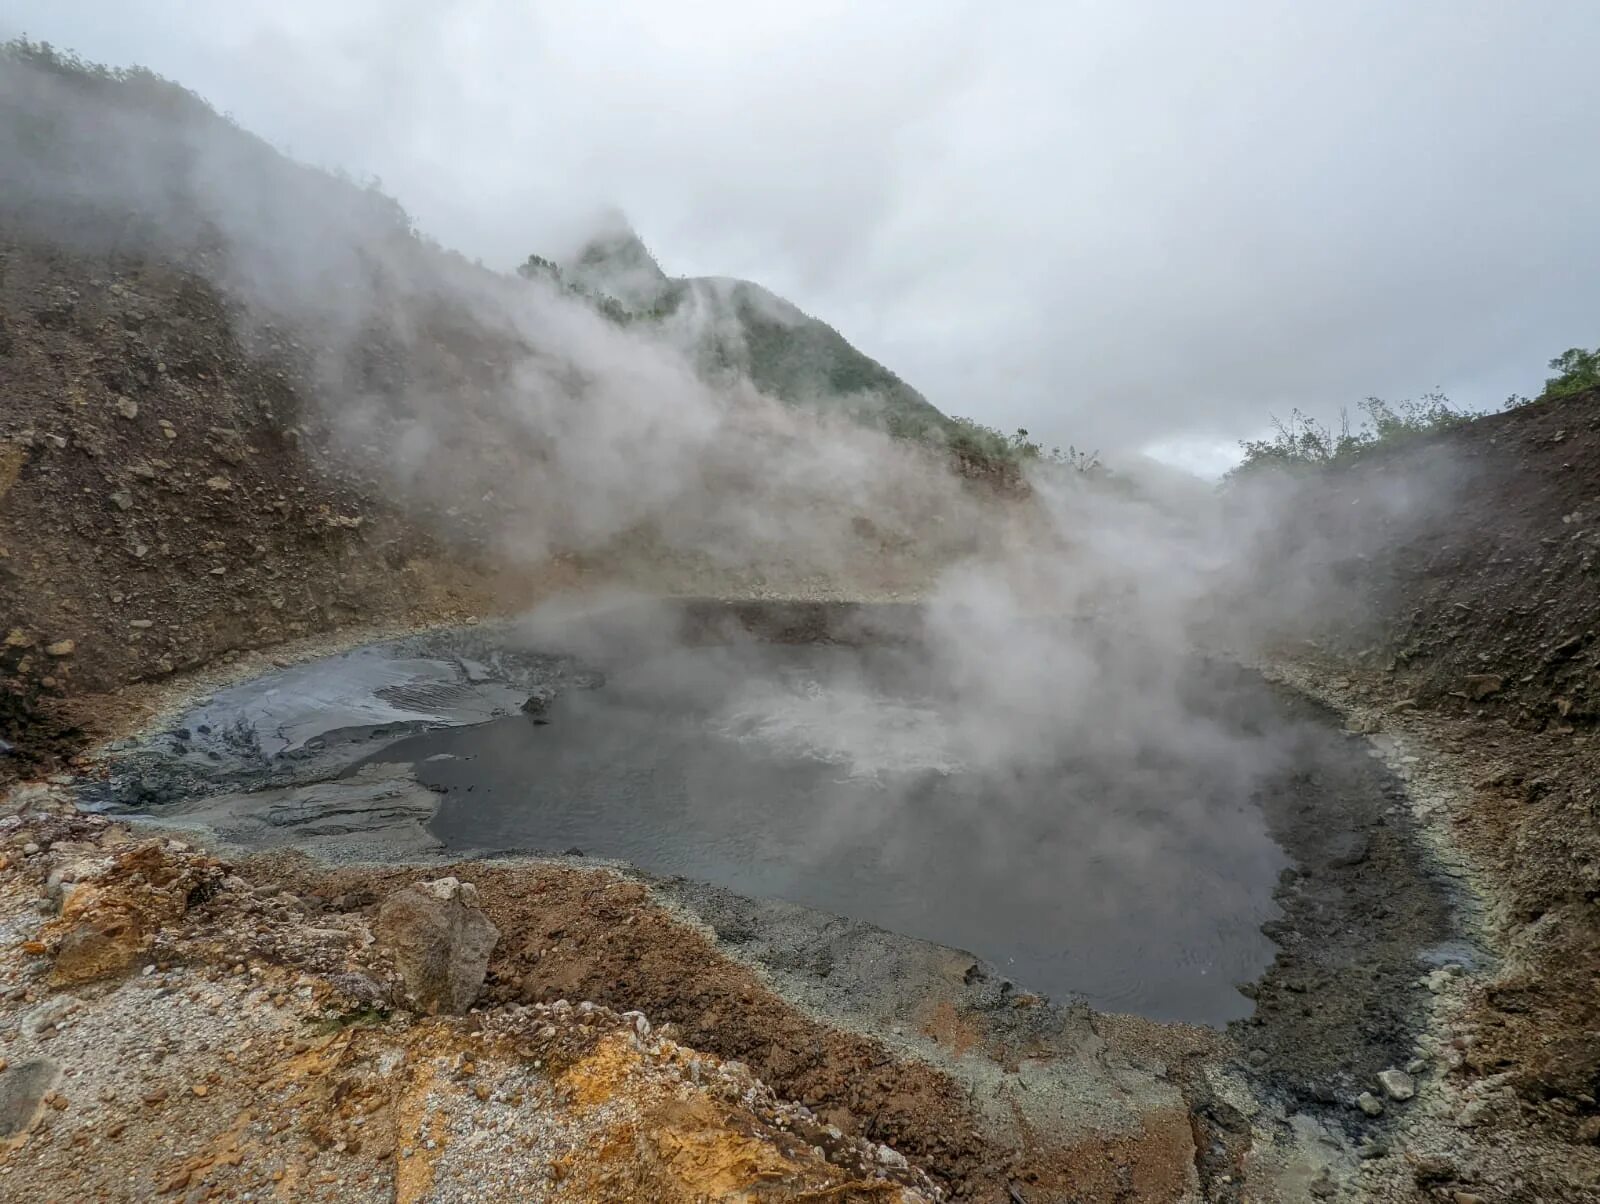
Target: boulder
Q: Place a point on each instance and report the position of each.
(22, 1092)
(1397, 1084)
(440, 941)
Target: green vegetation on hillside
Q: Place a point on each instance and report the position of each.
(976, 441)
(738, 327)
(1576, 370)
(1304, 442)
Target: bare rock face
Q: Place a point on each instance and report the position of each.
(440, 941)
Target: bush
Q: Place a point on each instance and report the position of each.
(1576, 371)
(1303, 442)
(974, 441)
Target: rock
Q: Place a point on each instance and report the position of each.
(22, 1094)
(122, 500)
(360, 990)
(1397, 1084)
(440, 941)
(61, 648)
(1466, 1197)
(141, 624)
(1482, 685)
(167, 429)
(47, 1015)
(1369, 1103)
(218, 484)
(127, 407)
(106, 947)
(1432, 1168)
(1259, 1057)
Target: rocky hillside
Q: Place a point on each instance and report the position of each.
(1486, 601)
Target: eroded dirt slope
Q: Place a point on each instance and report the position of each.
(162, 503)
(1488, 605)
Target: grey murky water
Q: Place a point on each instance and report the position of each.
(829, 776)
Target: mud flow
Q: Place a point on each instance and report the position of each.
(819, 759)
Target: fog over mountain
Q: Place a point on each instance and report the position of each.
(1125, 226)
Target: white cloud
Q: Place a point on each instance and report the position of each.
(1112, 224)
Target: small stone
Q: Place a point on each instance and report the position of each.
(61, 648)
(29, 849)
(1369, 1103)
(1397, 1084)
(1259, 1057)
(218, 484)
(1466, 1197)
(1416, 1065)
(122, 500)
(141, 624)
(127, 407)
(201, 1090)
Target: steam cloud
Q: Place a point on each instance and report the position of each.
(504, 408)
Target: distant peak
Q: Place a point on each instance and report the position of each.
(614, 261)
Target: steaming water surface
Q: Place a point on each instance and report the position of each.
(1127, 874)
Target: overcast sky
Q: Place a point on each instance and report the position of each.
(1117, 224)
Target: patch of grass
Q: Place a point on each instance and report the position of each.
(367, 1017)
